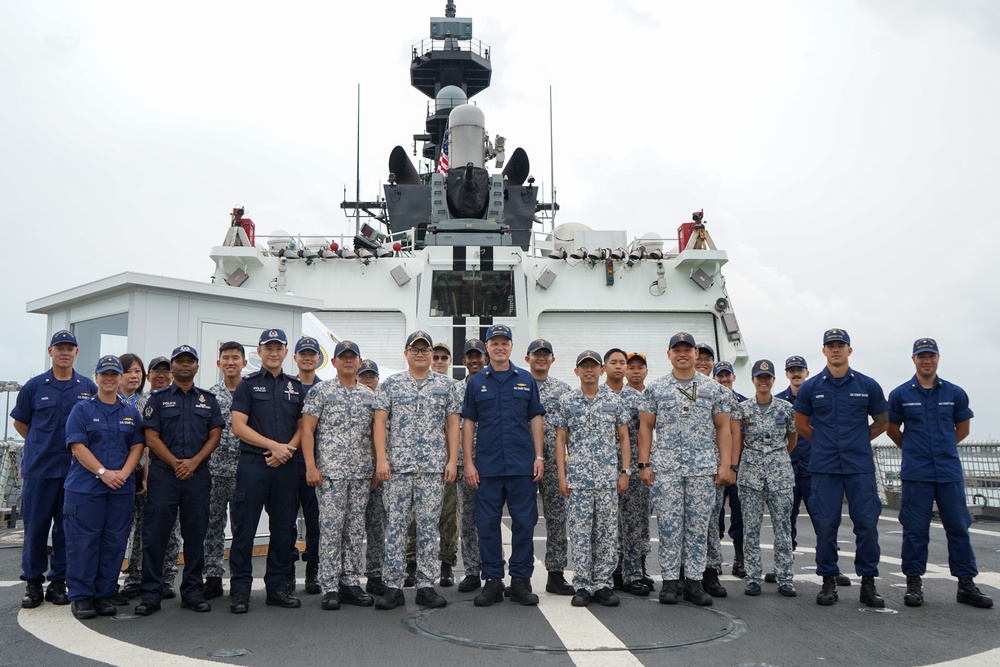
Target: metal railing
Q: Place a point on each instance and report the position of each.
(980, 463)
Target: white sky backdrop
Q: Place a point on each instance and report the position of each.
(846, 153)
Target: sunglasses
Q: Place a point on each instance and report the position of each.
(441, 357)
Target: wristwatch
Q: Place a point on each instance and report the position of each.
(100, 472)
(626, 472)
(539, 458)
(640, 465)
(735, 467)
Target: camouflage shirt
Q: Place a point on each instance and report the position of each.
(633, 401)
(685, 442)
(765, 444)
(550, 392)
(417, 415)
(226, 456)
(593, 455)
(343, 436)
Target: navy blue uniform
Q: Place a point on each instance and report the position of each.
(96, 519)
(273, 405)
(44, 404)
(931, 471)
(841, 461)
(502, 404)
(184, 421)
(800, 466)
(309, 503)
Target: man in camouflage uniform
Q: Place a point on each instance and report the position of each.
(540, 358)
(222, 466)
(592, 454)
(375, 509)
(414, 412)
(767, 433)
(635, 374)
(337, 448)
(690, 456)
(633, 504)
(473, 358)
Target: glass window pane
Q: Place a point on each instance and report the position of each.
(472, 294)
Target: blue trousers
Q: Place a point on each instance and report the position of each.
(259, 486)
(800, 496)
(731, 493)
(307, 500)
(915, 516)
(96, 528)
(518, 492)
(165, 497)
(42, 506)
(864, 506)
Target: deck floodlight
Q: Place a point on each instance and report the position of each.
(347, 253)
(579, 253)
(619, 254)
(558, 253)
(598, 254)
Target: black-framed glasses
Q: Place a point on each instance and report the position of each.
(419, 351)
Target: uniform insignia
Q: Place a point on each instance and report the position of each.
(764, 366)
(201, 398)
(272, 332)
(149, 411)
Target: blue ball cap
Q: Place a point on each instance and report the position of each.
(474, 345)
(589, 354)
(795, 361)
(156, 361)
(346, 346)
(539, 344)
(705, 347)
(680, 338)
(368, 366)
(63, 337)
(419, 335)
(835, 336)
(307, 343)
(184, 349)
(499, 330)
(762, 367)
(722, 366)
(109, 363)
(925, 345)
(270, 335)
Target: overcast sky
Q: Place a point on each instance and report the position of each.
(846, 154)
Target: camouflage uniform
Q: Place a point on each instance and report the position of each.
(633, 505)
(714, 558)
(553, 503)
(222, 464)
(685, 458)
(417, 456)
(375, 532)
(343, 454)
(593, 465)
(466, 503)
(766, 476)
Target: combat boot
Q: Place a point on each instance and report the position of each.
(695, 594)
(411, 575)
(376, 586)
(56, 593)
(968, 593)
(492, 592)
(914, 596)
(617, 582)
(712, 584)
(520, 591)
(869, 595)
(290, 578)
(669, 590)
(557, 584)
(646, 579)
(828, 594)
(213, 588)
(447, 578)
(738, 569)
(312, 575)
(33, 595)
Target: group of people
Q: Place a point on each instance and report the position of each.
(409, 464)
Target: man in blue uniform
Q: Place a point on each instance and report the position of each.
(267, 409)
(307, 358)
(832, 411)
(40, 414)
(502, 402)
(182, 424)
(934, 415)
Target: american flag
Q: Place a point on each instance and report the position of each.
(442, 167)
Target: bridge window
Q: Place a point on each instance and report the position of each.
(472, 294)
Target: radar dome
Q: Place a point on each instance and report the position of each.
(450, 97)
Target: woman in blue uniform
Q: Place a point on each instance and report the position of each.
(104, 437)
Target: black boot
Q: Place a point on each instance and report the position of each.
(376, 586)
(312, 579)
(411, 575)
(738, 569)
(914, 596)
(646, 579)
(213, 588)
(669, 591)
(694, 593)
(33, 595)
(492, 593)
(557, 584)
(968, 593)
(869, 595)
(616, 577)
(447, 575)
(828, 594)
(712, 585)
(520, 591)
(290, 578)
